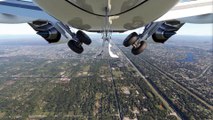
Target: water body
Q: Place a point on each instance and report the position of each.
(189, 58)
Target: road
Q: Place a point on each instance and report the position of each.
(154, 90)
(203, 73)
(180, 85)
(115, 93)
(199, 76)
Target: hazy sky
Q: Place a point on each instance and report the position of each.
(187, 29)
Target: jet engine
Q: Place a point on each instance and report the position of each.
(166, 30)
(51, 35)
(46, 30)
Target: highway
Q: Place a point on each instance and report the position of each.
(115, 93)
(203, 73)
(180, 85)
(165, 102)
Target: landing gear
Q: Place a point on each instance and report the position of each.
(130, 39)
(83, 37)
(78, 39)
(75, 46)
(140, 49)
(134, 39)
(138, 46)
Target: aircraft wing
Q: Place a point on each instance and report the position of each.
(190, 11)
(196, 11)
(20, 11)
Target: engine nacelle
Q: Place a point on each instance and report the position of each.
(161, 36)
(46, 30)
(52, 35)
(166, 30)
